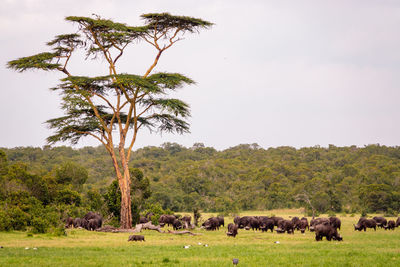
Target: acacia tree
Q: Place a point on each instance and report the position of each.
(113, 108)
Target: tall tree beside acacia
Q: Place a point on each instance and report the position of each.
(113, 108)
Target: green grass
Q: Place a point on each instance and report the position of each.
(83, 248)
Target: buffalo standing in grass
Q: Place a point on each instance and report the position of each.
(244, 222)
(398, 222)
(276, 220)
(316, 221)
(232, 230)
(236, 220)
(390, 225)
(285, 226)
(303, 225)
(335, 222)
(177, 224)
(380, 222)
(364, 223)
(328, 231)
(221, 221)
(254, 223)
(296, 223)
(211, 224)
(166, 219)
(92, 221)
(266, 224)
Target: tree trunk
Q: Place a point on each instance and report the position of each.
(124, 186)
(126, 210)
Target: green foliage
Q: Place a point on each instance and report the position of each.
(19, 218)
(95, 200)
(3, 163)
(39, 225)
(72, 173)
(390, 213)
(40, 61)
(6, 223)
(68, 197)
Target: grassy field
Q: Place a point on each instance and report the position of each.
(83, 248)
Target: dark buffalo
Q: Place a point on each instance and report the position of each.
(211, 224)
(398, 222)
(221, 221)
(296, 223)
(316, 221)
(266, 224)
(364, 223)
(254, 223)
(177, 224)
(390, 225)
(69, 222)
(232, 230)
(78, 222)
(94, 224)
(84, 223)
(303, 225)
(380, 222)
(276, 220)
(91, 215)
(328, 231)
(244, 222)
(236, 220)
(136, 238)
(166, 219)
(335, 222)
(285, 226)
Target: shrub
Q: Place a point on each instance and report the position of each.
(39, 225)
(390, 213)
(364, 213)
(59, 231)
(19, 219)
(5, 222)
(331, 214)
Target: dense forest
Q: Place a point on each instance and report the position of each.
(62, 181)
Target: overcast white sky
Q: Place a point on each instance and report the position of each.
(297, 73)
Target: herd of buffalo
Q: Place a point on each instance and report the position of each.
(323, 227)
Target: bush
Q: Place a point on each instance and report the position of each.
(364, 213)
(39, 226)
(390, 213)
(5, 222)
(59, 231)
(19, 219)
(331, 214)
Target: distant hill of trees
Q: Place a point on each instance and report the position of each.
(244, 177)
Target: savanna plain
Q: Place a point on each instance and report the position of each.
(209, 248)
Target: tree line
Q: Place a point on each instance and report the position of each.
(63, 181)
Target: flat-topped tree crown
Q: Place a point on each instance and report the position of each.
(163, 21)
(113, 108)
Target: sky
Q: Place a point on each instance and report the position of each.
(295, 73)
